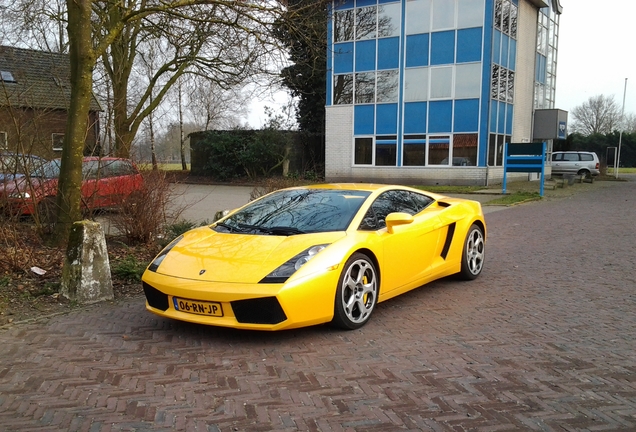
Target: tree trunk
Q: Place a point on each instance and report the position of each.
(184, 166)
(153, 153)
(82, 60)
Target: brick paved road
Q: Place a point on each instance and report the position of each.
(543, 341)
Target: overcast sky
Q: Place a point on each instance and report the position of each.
(597, 51)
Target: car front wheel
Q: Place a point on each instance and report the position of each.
(357, 293)
(473, 254)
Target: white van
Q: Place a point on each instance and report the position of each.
(575, 162)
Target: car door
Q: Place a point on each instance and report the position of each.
(407, 251)
(569, 164)
(119, 179)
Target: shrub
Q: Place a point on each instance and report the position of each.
(145, 213)
(129, 268)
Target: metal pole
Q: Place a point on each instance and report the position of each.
(620, 135)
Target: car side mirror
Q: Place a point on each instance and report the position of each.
(394, 219)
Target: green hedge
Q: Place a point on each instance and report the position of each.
(225, 155)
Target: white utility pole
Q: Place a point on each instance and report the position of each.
(620, 135)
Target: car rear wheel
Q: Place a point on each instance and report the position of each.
(474, 253)
(585, 174)
(357, 293)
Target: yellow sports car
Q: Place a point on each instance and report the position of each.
(309, 255)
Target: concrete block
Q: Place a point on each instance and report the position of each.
(86, 273)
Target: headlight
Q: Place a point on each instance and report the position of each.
(20, 195)
(282, 273)
(154, 265)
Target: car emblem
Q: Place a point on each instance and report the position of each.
(201, 272)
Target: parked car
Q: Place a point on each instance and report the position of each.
(457, 161)
(16, 165)
(316, 254)
(575, 162)
(106, 182)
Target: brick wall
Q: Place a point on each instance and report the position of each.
(31, 130)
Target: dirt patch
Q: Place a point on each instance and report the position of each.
(31, 273)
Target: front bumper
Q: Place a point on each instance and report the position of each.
(303, 302)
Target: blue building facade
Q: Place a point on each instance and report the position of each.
(427, 91)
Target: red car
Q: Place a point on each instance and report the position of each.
(106, 182)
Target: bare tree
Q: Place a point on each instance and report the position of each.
(37, 23)
(212, 107)
(226, 41)
(629, 123)
(599, 114)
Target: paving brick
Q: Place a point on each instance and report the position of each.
(542, 340)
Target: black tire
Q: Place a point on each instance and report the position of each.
(357, 293)
(473, 254)
(585, 174)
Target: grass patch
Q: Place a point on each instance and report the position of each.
(450, 189)
(129, 268)
(515, 198)
(610, 171)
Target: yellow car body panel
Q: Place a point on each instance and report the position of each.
(225, 269)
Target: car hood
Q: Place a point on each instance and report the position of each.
(207, 255)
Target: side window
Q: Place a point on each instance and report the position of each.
(571, 157)
(90, 170)
(117, 168)
(392, 202)
(557, 156)
(586, 157)
(421, 201)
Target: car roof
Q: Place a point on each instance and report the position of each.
(369, 187)
(98, 158)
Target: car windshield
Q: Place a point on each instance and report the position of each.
(49, 170)
(296, 211)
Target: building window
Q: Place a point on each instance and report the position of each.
(468, 81)
(442, 83)
(3, 141)
(388, 86)
(58, 140)
(416, 84)
(363, 152)
(443, 14)
(465, 150)
(418, 16)
(343, 90)
(364, 88)
(414, 150)
(7, 77)
(506, 16)
(386, 151)
(389, 19)
(495, 149)
(503, 84)
(343, 26)
(438, 150)
(366, 22)
(470, 13)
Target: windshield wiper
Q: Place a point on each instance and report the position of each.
(286, 230)
(230, 228)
